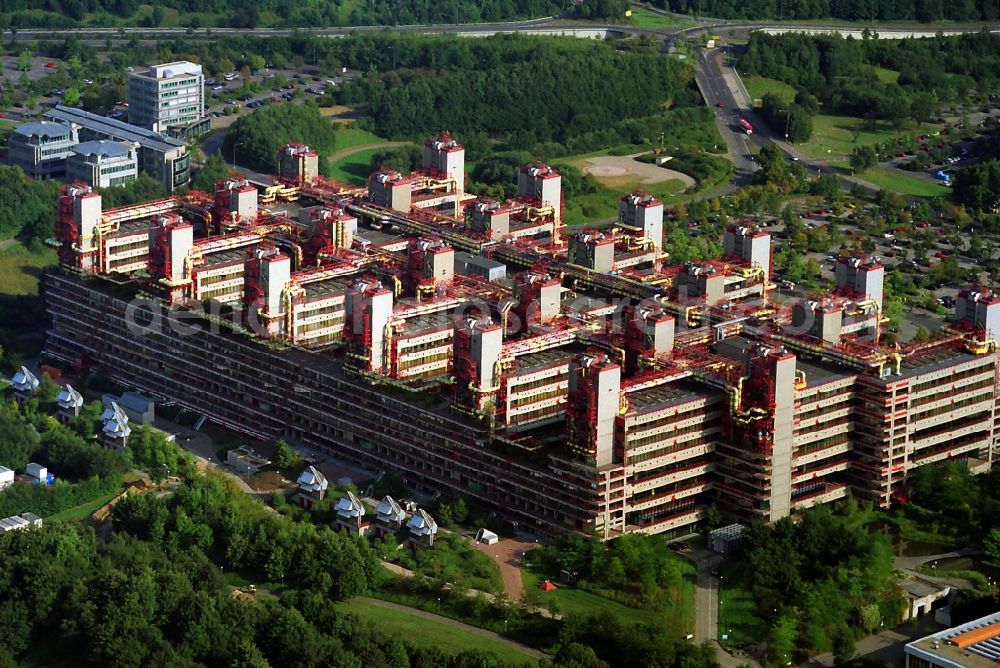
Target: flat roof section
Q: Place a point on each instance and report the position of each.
(975, 644)
(114, 128)
(932, 361)
(661, 395)
(425, 323)
(543, 358)
(225, 257)
(326, 287)
(817, 372)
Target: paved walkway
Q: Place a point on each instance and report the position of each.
(454, 624)
(913, 563)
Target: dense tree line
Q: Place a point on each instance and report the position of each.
(851, 10)
(73, 600)
(288, 14)
(790, 119)
(978, 186)
(839, 72)
(535, 90)
(258, 136)
(26, 206)
(821, 582)
(963, 507)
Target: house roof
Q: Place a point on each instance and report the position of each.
(24, 380)
(312, 480)
(103, 148)
(389, 511)
(350, 507)
(113, 128)
(42, 129)
(69, 398)
(422, 524)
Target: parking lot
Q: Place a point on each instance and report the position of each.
(228, 92)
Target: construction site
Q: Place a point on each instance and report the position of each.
(570, 379)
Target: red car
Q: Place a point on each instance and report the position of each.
(719, 104)
(51, 66)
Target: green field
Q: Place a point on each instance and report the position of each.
(738, 616)
(572, 600)
(348, 136)
(422, 632)
(643, 18)
(838, 136)
(83, 511)
(577, 601)
(904, 184)
(20, 268)
(758, 87)
(886, 76)
(354, 168)
(603, 204)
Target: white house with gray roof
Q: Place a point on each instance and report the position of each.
(24, 384)
(351, 515)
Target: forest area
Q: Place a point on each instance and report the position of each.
(158, 590)
(287, 14)
(923, 11)
(839, 72)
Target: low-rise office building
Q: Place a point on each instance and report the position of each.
(164, 158)
(41, 148)
(103, 163)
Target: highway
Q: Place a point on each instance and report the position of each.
(550, 25)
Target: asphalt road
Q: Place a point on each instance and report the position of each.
(540, 25)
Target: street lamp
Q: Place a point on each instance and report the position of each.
(788, 118)
(234, 152)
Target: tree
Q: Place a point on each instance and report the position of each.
(71, 98)
(459, 510)
(204, 178)
(284, 456)
(863, 157)
(843, 644)
(991, 545)
(24, 61)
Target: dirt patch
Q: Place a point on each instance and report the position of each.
(605, 170)
(508, 554)
(608, 169)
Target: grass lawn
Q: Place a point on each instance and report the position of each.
(839, 135)
(348, 136)
(20, 268)
(354, 168)
(422, 632)
(572, 600)
(904, 184)
(886, 76)
(643, 18)
(603, 204)
(738, 616)
(83, 511)
(453, 558)
(6, 125)
(758, 87)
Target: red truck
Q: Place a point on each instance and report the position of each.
(745, 124)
